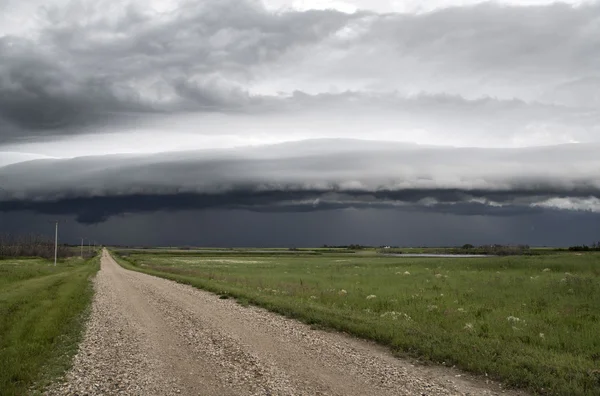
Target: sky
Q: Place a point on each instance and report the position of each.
(301, 122)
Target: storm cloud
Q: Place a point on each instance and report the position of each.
(85, 66)
(278, 109)
(310, 176)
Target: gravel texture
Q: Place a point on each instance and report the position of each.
(151, 336)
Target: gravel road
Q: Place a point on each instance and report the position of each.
(151, 336)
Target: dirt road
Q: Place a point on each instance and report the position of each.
(151, 336)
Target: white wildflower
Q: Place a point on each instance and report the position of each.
(438, 275)
(513, 319)
(468, 327)
(406, 273)
(371, 296)
(393, 314)
(515, 328)
(546, 270)
(432, 307)
(342, 292)
(313, 297)
(461, 310)
(542, 335)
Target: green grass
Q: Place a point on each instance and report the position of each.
(531, 321)
(42, 312)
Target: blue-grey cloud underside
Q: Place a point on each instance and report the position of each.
(309, 176)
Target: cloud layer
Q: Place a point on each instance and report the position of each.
(485, 74)
(308, 176)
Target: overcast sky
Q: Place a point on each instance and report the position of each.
(478, 115)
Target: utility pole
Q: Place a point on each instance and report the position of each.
(56, 238)
(82, 238)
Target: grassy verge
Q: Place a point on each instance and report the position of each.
(42, 311)
(530, 321)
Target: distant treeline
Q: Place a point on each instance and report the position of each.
(495, 250)
(595, 247)
(32, 246)
(489, 250)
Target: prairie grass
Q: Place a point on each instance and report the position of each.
(532, 322)
(42, 311)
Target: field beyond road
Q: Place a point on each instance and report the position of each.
(41, 317)
(530, 321)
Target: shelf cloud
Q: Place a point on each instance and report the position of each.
(310, 176)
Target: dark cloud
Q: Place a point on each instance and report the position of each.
(196, 58)
(310, 176)
(99, 209)
(474, 70)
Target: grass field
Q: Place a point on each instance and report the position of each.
(531, 321)
(42, 308)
